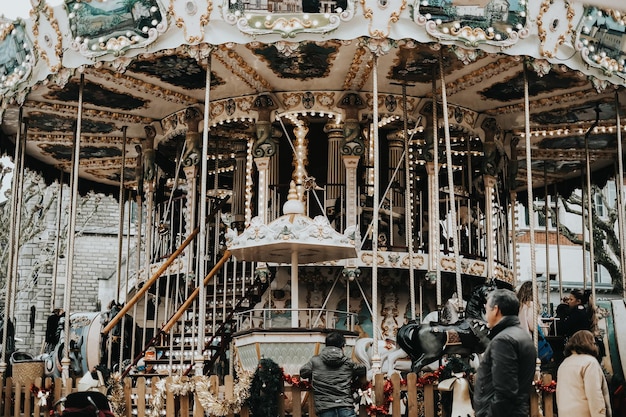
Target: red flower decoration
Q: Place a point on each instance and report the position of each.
(296, 381)
(540, 386)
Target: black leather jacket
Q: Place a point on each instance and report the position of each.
(331, 374)
(505, 375)
(577, 319)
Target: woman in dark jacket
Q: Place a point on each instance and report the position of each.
(579, 317)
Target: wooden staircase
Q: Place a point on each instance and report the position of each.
(231, 286)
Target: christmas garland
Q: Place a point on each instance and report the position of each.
(260, 390)
(541, 387)
(116, 394)
(200, 385)
(221, 406)
(454, 366)
(266, 385)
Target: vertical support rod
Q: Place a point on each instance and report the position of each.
(592, 262)
(120, 235)
(583, 228)
(547, 229)
(455, 232)
(375, 204)
(433, 217)
(531, 198)
(620, 192)
(558, 243)
(408, 201)
(57, 240)
(14, 247)
(294, 289)
(72, 232)
(199, 359)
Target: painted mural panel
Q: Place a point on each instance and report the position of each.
(16, 56)
(111, 27)
(473, 22)
(287, 17)
(602, 41)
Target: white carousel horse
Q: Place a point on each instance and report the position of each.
(449, 313)
(392, 358)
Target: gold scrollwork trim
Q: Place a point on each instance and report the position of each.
(545, 5)
(58, 48)
(180, 22)
(368, 13)
(239, 67)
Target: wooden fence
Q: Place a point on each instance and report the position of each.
(394, 398)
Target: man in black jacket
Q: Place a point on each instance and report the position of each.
(505, 375)
(331, 374)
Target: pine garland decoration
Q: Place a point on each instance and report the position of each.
(267, 384)
(455, 365)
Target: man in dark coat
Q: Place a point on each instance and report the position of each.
(331, 374)
(505, 375)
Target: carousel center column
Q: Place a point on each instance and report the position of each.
(431, 223)
(335, 173)
(190, 160)
(490, 168)
(396, 166)
(149, 178)
(352, 148)
(239, 186)
(263, 149)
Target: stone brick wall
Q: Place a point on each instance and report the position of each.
(94, 282)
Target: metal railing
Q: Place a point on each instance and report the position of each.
(309, 318)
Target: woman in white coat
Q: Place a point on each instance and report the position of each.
(581, 388)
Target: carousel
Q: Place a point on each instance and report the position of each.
(302, 166)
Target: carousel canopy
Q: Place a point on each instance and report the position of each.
(311, 240)
(145, 63)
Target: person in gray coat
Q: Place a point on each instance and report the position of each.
(331, 374)
(506, 371)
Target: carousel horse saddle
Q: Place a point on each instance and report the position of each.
(465, 333)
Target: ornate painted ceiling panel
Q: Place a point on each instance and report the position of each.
(45, 122)
(97, 95)
(64, 153)
(180, 71)
(512, 89)
(310, 61)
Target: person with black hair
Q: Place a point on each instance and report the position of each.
(507, 368)
(331, 374)
(579, 317)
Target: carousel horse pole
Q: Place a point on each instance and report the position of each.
(461, 399)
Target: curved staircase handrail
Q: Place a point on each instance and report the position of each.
(184, 306)
(149, 283)
(167, 327)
